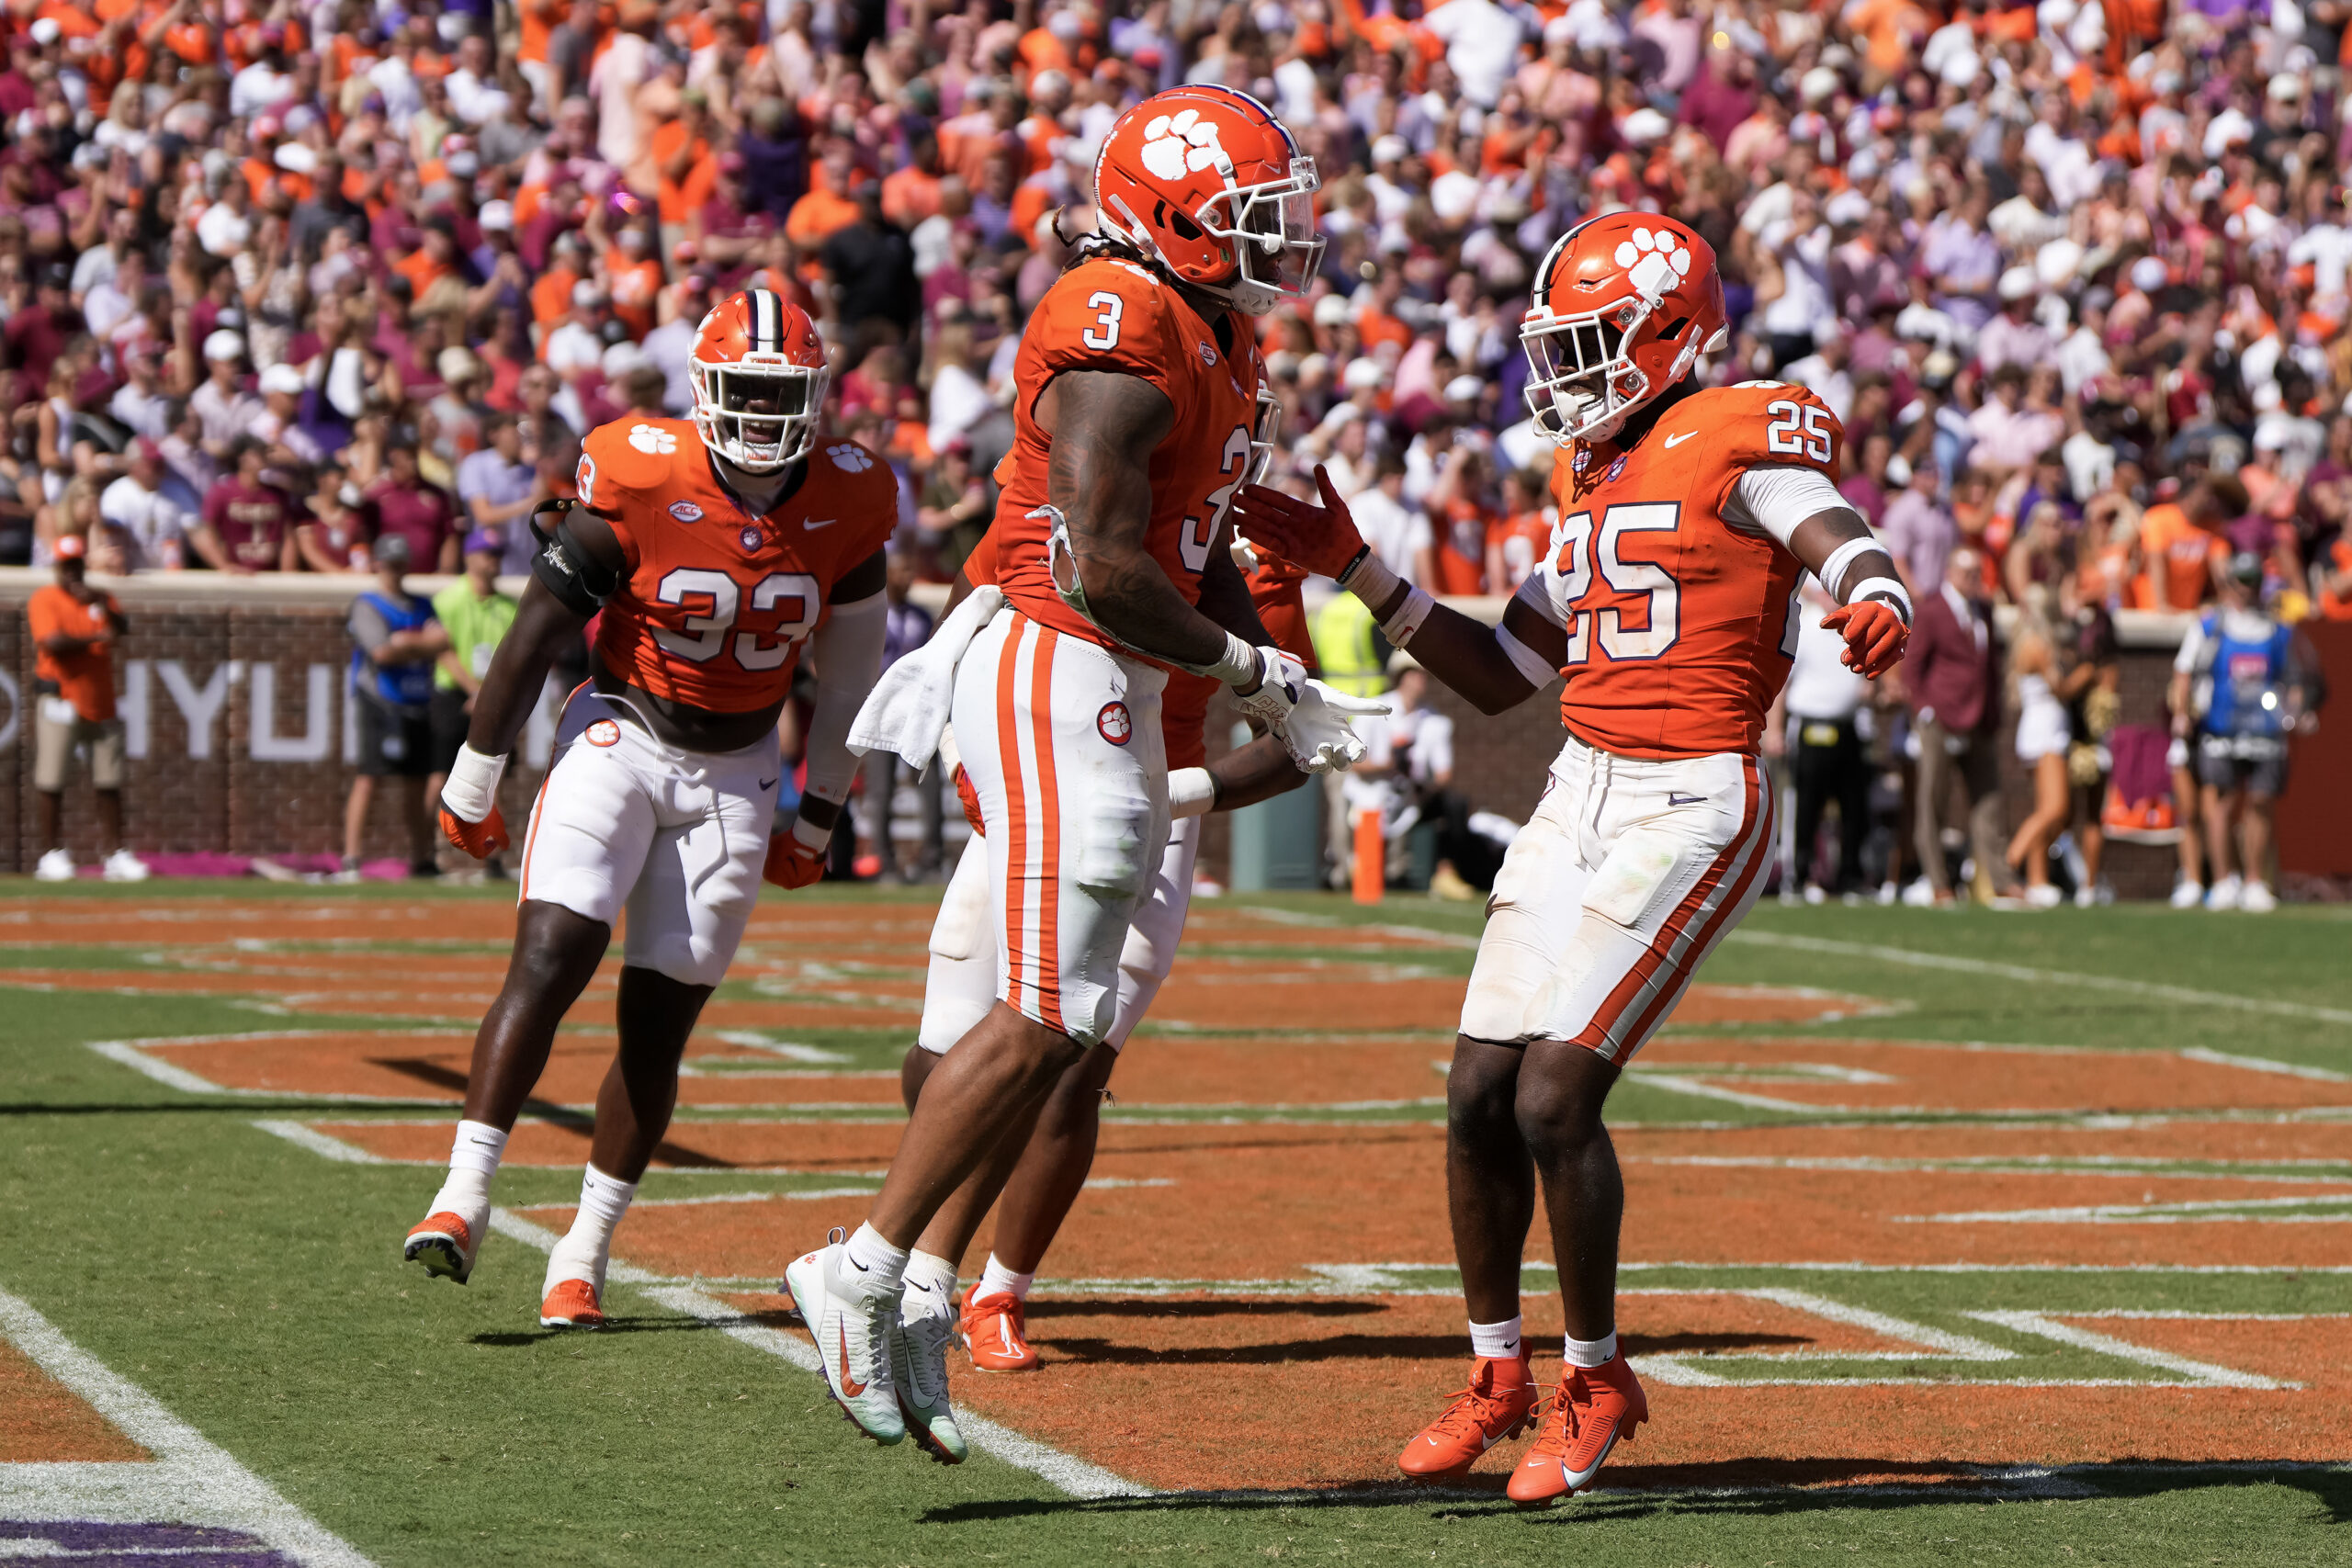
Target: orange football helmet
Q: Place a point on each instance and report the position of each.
(758, 374)
(1207, 182)
(1625, 303)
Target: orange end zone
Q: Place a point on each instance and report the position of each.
(43, 1422)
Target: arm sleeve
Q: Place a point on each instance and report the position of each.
(1534, 594)
(2192, 649)
(1774, 498)
(848, 652)
(368, 629)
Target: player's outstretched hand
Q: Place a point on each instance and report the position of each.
(1320, 538)
(1316, 730)
(480, 839)
(969, 798)
(1875, 633)
(792, 863)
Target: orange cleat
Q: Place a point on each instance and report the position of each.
(995, 1331)
(571, 1303)
(1595, 1407)
(1499, 1404)
(444, 1243)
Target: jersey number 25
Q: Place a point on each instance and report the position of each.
(1576, 550)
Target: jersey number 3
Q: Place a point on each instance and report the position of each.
(1576, 553)
(706, 634)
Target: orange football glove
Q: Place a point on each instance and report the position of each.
(1875, 633)
(480, 839)
(1320, 538)
(970, 799)
(792, 863)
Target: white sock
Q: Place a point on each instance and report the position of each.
(931, 1284)
(587, 1248)
(873, 1264)
(473, 1160)
(997, 1280)
(1592, 1352)
(1498, 1341)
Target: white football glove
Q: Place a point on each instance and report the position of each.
(1316, 732)
(1282, 681)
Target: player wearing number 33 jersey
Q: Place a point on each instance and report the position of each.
(1687, 515)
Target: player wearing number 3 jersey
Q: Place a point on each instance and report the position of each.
(1686, 517)
(710, 552)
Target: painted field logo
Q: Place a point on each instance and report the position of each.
(605, 732)
(1115, 723)
(686, 511)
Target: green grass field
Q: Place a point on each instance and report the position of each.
(251, 1286)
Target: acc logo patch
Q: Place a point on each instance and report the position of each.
(1616, 469)
(604, 732)
(1208, 355)
(1582, 460)
(1114, 723)
(751, 537)
(686, 511)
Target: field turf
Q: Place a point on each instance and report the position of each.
(1949, 1238)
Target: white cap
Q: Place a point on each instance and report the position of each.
(2285, 88)
(2148, 273)
(1645, 126)
(497, 216)
(1390, 149)
(1331, 311)
(455, 363)
(224, 345)
(1362, 375)
(295, 158)
(1898, 469)
(1463, 390)
(2018, 283)
(45, 31)
(586, 293)
(1847, 207)
(621, 358)
(283, 379)
(2058, 262)
(1817, 84)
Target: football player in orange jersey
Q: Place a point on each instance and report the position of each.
(1687, 514)
(709, 551)
(1132, 432)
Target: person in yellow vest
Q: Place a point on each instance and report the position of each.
(1354, 656)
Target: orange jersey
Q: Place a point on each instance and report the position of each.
(1112, 316)
(1679, 623)
(716, 602)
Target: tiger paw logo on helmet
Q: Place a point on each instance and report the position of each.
(1173, 144)
(646, 438)
(1654, 262)
(850, 458)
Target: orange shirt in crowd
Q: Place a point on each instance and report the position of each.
(551, 296)
(86, 678)
(910, 196)
(1374, 328)
(636, 288)
(676, 198)
(818, 217)
(1523, 541)
(539, 19)
(2178, 560)
(422, 271)
(2334, 605)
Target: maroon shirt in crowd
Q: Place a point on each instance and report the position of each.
(252, 521)
(418, 513)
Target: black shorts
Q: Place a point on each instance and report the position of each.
(394, 743)
(2264, 778)
(450, 721)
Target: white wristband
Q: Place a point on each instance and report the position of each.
(471, 788)
(1369, 580)
(1525, 659)
(1190, 793)
(1239, 665)
(1883, 587)
(1400, 626)
(1843, 557)
(808, 836)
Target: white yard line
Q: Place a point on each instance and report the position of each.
(723, 1198)
(1072, 1476)
(190, 1481)
(2205, 1210)
(319, 1143)
(2147, 988)
(2264, 1065)
(2201, 1373)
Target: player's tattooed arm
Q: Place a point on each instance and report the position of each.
(1104, 428)
(543, 625)
(1225, 595)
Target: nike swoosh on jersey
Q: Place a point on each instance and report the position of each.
(1674, 441)
(769, 783)
(813, 524)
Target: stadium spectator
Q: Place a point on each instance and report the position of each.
(396, 644)
(248, 522)
(405, 507)
(1816, 724)
(1951, 677)
(147, 514)
(74, 628)
(474, 616)
(498, 487)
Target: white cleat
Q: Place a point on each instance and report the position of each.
(2257, 898)
(2226, 894)
(124, 866)
(55, 866)
(852, 1330)
(919, 1342)
(2187, 895)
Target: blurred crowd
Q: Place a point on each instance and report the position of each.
(282, 280)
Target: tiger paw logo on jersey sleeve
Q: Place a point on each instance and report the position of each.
(646, 438)
(849, 457)
(1173, 144)
(1653, 262)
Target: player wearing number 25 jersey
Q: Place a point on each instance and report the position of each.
(1686, 517)
(710, 552)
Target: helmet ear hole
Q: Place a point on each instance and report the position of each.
(1186, 230)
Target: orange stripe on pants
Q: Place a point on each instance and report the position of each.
(1050, 889)
(1595, 1035)
(1016, 810)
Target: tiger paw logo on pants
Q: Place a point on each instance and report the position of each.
(1173, 144)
